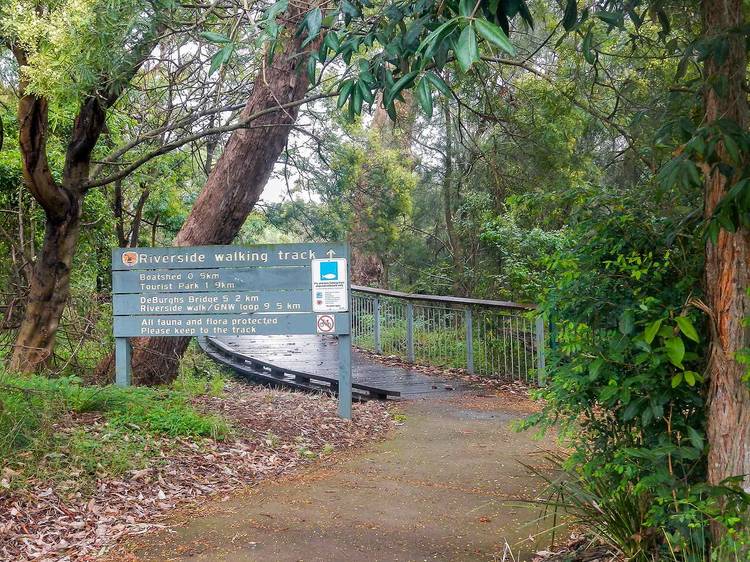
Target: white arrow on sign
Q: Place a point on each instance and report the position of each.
(330, 254)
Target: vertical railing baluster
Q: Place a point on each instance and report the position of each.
(499, 341)
(540, 367)
(469, 340)
(376, 325)
(519, 344)
(410, 332)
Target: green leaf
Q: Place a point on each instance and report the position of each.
(607, 393)
(696, 439)
(713, 231)
(313, 20)
(344, 92)
(466, 7)
(435, 46)
(676, 380)
(626, 323)
(588, 54)
(424, 96)
(732, 149)
(614, 19)
(690, 377)
(467, 52)
(350, 9)
(439, 83)
(356, 102)
(657, 410)
(391, 110)
(277, 8)
(220, 57)
(436, 35)
(651, 330)
(571, 15)
(494, 35)
(400, 84)
(367, 95)
(594, 367)
(687, 328)
(632, 409)
(675, 350)
(311, 65)
(332, 41)
(664, 22)
(215, 37)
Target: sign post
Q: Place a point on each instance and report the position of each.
(233, 291)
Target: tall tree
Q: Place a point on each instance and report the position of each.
(728, 254)
(239, 176)
(61, 199)
(374, 201)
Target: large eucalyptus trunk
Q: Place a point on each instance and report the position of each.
(50, 281)
(727, 260)
(234, 184)
(48, 293)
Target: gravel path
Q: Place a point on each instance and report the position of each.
(448, 485)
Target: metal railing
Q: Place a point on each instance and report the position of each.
(490, 338)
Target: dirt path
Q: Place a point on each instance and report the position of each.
(445, 487)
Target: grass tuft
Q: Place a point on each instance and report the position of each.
(62, 430)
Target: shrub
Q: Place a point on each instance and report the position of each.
(626, 382)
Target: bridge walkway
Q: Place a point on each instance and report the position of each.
(311, 363)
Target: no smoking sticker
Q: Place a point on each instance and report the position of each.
(326, 323)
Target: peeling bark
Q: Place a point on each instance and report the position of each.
(727, 262)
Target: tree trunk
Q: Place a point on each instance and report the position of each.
(727, 261)
(135, 229)
(48, 294)
(449, 204)
(61, 202)
(50, 279)
(234, 185)
(119, 214)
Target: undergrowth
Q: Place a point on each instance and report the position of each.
(64, 431)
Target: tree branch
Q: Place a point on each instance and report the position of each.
(244, 124)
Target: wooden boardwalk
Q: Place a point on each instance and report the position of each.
(287, 359)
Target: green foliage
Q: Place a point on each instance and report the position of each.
(77, 45)
(522, 256)
(406, 43)
(627, 383)
(76, 458)
(199, 375)
(621, 517)
(29, 406)
(372, 188)
(617, 517)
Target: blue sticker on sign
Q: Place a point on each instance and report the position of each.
(329, 270)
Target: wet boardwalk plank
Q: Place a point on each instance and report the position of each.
(318, 355)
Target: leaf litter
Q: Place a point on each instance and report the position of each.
(274, 433)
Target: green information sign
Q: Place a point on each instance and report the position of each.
(209, 291)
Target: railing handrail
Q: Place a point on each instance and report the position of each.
(438, 298)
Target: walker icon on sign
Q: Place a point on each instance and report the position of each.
(326, 323)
